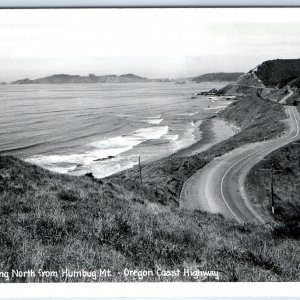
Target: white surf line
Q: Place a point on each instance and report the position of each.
(222, 181)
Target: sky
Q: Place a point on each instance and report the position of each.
(155, 43)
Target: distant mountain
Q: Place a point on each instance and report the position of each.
(23, 81)
(91, 78)
(217, 77)
(124, 78)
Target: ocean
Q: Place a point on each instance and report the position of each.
(101, 128)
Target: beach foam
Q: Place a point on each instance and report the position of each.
(62, 169)
(171, 137)
(154, 121)
(52, 159)
(150, 133)
(107, 169)
(216, 107)
(187, 139)
(99, 150)
(190, 114)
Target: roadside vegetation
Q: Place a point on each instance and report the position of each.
(51, 221)
(286, 184)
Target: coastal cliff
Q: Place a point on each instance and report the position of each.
(279, 72)
(220, 76)
(273, 79)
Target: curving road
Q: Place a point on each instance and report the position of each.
(283, 100)
(219, 186)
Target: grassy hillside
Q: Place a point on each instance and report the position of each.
(51, 221)
(286, 162)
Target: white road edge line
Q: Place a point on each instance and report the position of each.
(222, 181)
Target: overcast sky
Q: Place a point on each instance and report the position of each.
(147, 42)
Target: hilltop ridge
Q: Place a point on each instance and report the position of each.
(272, 79)
(124, 78)
(219, 76)
(91, 78)
(278, 72)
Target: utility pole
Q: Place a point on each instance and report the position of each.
(140, 168)
(272, 198)
(272, 194)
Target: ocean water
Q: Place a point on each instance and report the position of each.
(101, 128)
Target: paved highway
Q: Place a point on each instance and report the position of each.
(219, 186)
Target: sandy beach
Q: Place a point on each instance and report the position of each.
(212, 131)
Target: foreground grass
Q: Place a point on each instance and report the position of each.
(51, 222)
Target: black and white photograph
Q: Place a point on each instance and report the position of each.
(149, 145)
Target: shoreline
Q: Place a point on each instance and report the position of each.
(208, 132)
(213, 130)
